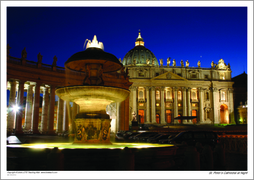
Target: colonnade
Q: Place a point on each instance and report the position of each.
(65, 114)
(185, 107)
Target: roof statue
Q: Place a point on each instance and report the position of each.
(182, 64)
(199, 64)
(168, 62)
(187, 63)
(161, 62)
(221, 64)
(174, 62)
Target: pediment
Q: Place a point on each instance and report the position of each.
(169, 76)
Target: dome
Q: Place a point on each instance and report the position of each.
(140, 53)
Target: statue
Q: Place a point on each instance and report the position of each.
(182, 63)
(120, 60)
(212, 64)
(24, 54)
(187, 63)
(147, 61)
(54, 62)
(39, 57)
(228, 66)
(174, 62)
(168, 61)
(199, 64)
(134, 118)
(161, 62)
(153, 62)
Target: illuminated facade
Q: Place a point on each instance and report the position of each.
(160, 93)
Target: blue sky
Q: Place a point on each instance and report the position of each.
(182, 33)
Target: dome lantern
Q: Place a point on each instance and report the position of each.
(139, 40)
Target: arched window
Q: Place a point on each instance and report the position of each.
(141, 95)
(168, 93)
(179, 95)
(157, 95)
(223, 96)
(194, 93)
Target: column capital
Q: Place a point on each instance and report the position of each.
(213, 89)
(175, 88)
(184, 88)
(162, 88)
(201, 89)
(152, 88)
(147, 88)
(230, 89)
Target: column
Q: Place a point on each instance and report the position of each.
(45, 107)
(59, 127)
(153, 110)
(69, 118)
(29, 107)
(201, 103)
(162, 106)
(11, 113)
(74, 113)
(189, 102)
(215, 105)
(134, 100)
(51, 110)
(231, 106)
(148, 119)
(19, 113)
(65, 117)
(36, 106)
(117, 117)
(184, 104)
(175, 104)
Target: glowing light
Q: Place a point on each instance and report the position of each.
(15, 108)
(94, 43)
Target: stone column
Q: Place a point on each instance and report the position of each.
(201, 104)
(11, 113)
(45, 107)
(65, 117)
(162, 106)
(231, 106)
(71, 131)
(148, 119)
(51, 110)
(36, 106)
(19, 113)
(153, 110)
(117, 117)
(59, 127)
(189, 102)
(184, 104)
(134, 100)
(74, 111)
(175, 103)
(29, 107)
(215, 105)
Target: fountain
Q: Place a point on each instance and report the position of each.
(92, 124)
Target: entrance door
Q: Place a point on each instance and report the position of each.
(141, 114)
(194, 113)
(168, 116)
(158, 118)
(224, 114)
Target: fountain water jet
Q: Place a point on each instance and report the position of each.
(92, 124)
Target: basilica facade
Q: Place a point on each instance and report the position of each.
(161, 93)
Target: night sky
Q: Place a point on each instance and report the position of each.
(182, 33)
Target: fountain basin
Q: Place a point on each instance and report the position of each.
(92, 124)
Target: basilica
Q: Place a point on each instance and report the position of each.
(162, 92)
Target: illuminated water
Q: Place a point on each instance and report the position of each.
(82, 146)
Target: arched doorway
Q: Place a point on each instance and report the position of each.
(158, 118)
(194, 113)
(141, 114)
(168, 116)
(224, 118)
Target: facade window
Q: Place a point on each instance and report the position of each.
(207, 95)
(141, 115)
(168, 93)
(193, 76)
(168, 116)
(157, 95)
(206, 76)
(223, 96)
(141, 104)
(168, 105)
(194, 94)
(158, 118)
(222, 76)
(179, 95)
(141, 93)
(157, 104)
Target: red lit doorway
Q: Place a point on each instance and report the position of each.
(158, 118)
(224, 114)
(168, 116)
(141, 114)
(194, 113)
